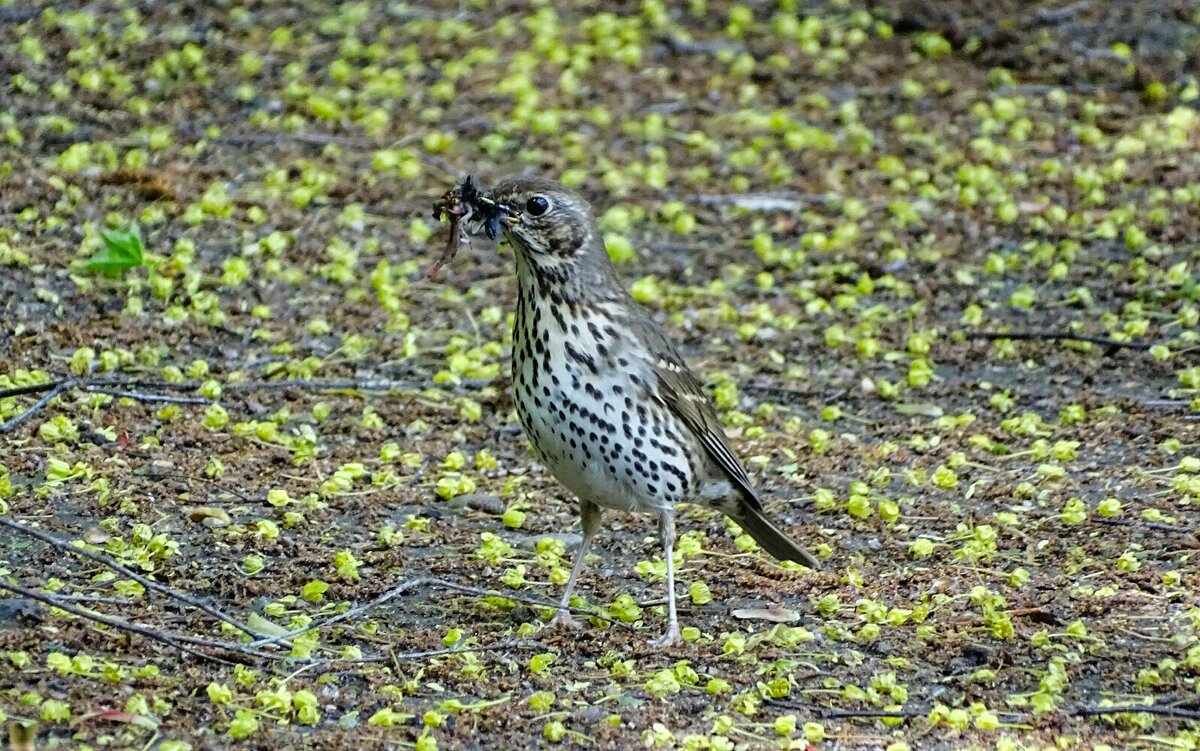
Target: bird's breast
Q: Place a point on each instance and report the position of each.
(581, 393)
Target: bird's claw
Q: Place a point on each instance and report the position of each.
(563, 619)
(670, 638)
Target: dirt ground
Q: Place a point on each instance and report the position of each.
(938, 265)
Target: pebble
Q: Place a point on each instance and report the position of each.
(485, 502)
(570, 540)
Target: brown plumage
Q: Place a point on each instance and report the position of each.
(607, 402)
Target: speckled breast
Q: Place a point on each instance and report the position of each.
(581, 399)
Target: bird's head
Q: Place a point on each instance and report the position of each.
(550, 227)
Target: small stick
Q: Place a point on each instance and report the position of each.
(1058, 336)
(521, 643)
(1146, 525)
(352, 612)
(122, 389)
(1158, 709)
(180, 641)
(153, 475)
(405, 586)
(379, 384)
(135, 628)
(103, 559)
(32, 388)
(54, 391)
(827, 713)
(144, 397)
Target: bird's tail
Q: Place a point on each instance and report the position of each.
(770, 537)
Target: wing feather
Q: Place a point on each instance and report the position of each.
(680, 391)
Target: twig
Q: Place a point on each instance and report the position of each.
(1086, 710)
(32, 388)
(523, 643)
(784, 201)
(242, 140)
(1058, 336)
(143, 397)
(1038, 89)
(535, 603)
(124, 388)
(405, 586)
(677, 46)
(1146, 525)
(368, 384)
(135, 628)
(1058, 15)
(399, 589)
(826, 713)
(181, 641)
(54, 391)
(352, 612)
(379, 384)
(398, 656)
(175, 640)
(1089, 710)
(93, 599)
(21, 15)
(155, 475)
(103, 559)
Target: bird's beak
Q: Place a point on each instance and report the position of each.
(512, 218)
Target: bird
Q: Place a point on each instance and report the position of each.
(609, 406)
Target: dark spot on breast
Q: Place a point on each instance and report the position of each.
(582, 358)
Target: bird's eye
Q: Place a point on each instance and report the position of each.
(537, 206)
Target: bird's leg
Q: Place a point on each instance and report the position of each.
(589, 522)
(666, 529)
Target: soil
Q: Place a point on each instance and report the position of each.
(938, 265)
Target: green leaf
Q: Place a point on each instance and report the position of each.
(920, 410)
(264, 626)
(123, 250)
(1190, 288)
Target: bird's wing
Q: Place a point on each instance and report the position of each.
(682, 394)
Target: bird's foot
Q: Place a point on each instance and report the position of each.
(669, 638)
(563, 619)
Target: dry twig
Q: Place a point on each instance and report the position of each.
(1058, 336)
(124, 388)
(105, 560)
(405, 586)
(52, 390)
(135, 628)
(187, 643)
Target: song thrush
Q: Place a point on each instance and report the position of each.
(610, 407)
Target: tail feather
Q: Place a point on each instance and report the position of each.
(770, 537)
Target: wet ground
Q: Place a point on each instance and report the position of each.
(938, 267)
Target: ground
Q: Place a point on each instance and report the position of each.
(937, 265)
